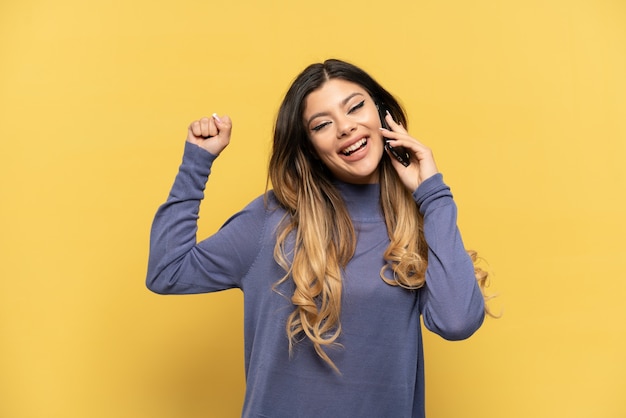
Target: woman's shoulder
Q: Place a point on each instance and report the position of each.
(266, 202)
(261, 213)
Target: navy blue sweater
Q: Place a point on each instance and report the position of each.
(381, 359)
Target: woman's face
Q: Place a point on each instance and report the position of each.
(343, 124)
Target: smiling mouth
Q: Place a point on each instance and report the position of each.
(354, 147)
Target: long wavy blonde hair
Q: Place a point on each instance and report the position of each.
(324, 238)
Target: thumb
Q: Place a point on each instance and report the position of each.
(220, 141)
(224, 125)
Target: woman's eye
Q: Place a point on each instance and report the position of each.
(320, 126)
(357, 106)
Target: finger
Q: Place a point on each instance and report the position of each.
(213, 129)
(223, 124)
(393, 124)
(405, 140)
(195, 128)
(205, 127)
(396, 135)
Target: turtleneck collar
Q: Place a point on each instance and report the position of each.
(362, 200)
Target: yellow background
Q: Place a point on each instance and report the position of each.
(523, 103)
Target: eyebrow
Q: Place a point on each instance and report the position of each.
(343, 103)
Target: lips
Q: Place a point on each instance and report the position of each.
(354, 147)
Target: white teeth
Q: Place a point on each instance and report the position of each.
(354, 147)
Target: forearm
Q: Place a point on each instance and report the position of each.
(173, 233)
(452, 303)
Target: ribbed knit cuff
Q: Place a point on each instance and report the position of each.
(198, 159)
(430, 190)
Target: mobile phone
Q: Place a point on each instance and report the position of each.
(399, 153)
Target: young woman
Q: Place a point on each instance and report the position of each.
(337, 262)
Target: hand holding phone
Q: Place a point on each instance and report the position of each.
(399, 153)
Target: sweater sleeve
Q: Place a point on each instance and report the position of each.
(451, 302)
(177, 263)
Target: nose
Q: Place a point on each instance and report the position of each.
(345, 125)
